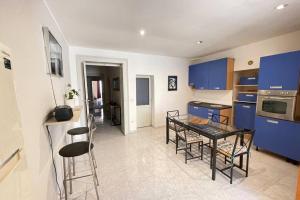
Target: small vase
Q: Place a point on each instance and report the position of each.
(70, 102)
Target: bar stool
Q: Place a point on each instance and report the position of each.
(78, 149)
(79, 131)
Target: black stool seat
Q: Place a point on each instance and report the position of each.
(78, 131)
(75, 149)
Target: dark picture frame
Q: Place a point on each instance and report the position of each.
(172, 83)
(53, 53)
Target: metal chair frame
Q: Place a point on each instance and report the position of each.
(188, 146)
(170, 114)
(239, 137)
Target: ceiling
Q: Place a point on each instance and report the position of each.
(173, 26)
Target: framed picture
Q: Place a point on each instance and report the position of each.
(116, 84)
(53, 54)
(172, 83)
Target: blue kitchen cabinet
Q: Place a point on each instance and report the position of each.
(217, 74)
(278, 136)
(244, 115)
(198, 111)
(192, 75)
(211, 112)
(202, 77)
(280, 71)
(212, 75)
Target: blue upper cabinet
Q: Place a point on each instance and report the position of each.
(212, 75)
(192, 75)
(218, 74)
(202, 80)
(280, 72)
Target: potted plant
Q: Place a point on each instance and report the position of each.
(71, 97)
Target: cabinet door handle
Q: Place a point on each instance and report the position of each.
(251, 78)
(276, 87)
(272, 121)
(246, 106)
(195, 107)
(217, 88)
(249, 95)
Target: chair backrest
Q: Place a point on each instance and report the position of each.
(173, 113)
(222, 119)
(247, 137)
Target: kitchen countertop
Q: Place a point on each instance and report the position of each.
(209, 105)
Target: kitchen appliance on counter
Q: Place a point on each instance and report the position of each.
(280, 104)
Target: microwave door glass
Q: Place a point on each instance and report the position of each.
(276, 107)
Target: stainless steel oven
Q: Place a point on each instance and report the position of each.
(280, 104)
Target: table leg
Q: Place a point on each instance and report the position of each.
(242, 156)
(214, 159)
(167, 130)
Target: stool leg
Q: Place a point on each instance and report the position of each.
(95, 166)
(64, 181)
(94, 176)
(70, 176)
(73, 159)
(93, 156)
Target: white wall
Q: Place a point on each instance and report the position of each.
(141, 64)
(21, 30)
(242, 54)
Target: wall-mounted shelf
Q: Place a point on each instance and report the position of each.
(76, 116)
(247, 92)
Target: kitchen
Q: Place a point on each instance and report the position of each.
(235, 78)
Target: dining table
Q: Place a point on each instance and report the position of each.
(207, 128)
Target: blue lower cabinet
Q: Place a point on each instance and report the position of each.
(244, 115)
(198, 111)
(211, 112)
(278, 136)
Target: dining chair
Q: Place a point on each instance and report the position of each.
(188, 137)
(171, 114)
(230, 151)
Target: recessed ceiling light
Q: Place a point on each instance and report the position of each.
(199, 42)
(142, 32)
(281, 6)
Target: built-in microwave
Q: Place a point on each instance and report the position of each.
(280, 104)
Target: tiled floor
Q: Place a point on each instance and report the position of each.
(142, 166)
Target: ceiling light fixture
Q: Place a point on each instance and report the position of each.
(142, 32)
(281, 6)
(199, 42)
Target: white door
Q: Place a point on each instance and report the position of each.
(143, 101)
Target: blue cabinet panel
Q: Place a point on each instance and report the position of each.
(280, 71)
(198, 111)
(211, 112)
(217, 74)
(244, 116)
(278, 136)
(202, 73)
(192, 75)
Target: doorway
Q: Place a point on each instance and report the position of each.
(144, 101)
(103, 96)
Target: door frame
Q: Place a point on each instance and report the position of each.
(82, 60)
(151, 96)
